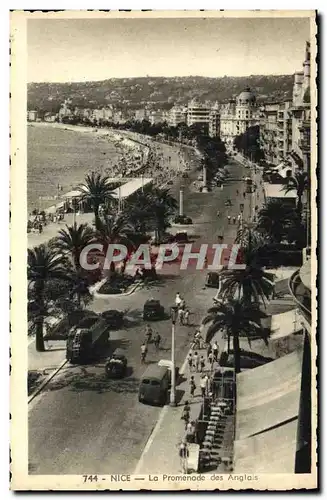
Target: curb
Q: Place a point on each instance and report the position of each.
(46, 381)
(97, 295)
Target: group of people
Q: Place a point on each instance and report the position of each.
(183, 311)
(150, 337)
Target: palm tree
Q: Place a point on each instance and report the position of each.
(98, 191)
(72, 240)
(274, 218)
(252, 283)
(299, 182)
(114, 229)
(44, 264)
(237, 319)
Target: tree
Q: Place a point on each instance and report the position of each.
(274, 218)
(97, 191)
(43, 265)
(72, 240)
(238, 319)
(252, 283)
(299, 182)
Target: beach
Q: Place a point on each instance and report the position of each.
(59, 154)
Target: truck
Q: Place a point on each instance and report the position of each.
(87, 340)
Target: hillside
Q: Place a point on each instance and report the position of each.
(157, 92)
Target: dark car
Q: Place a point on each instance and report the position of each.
(114, 318)
(153, 310)
(116, 366)
(212, 280)
(182, 219)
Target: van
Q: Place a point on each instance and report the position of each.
(154, 385)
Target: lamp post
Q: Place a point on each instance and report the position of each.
(174, 311)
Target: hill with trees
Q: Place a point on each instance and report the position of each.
(155, 92)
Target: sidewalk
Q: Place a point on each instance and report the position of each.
(160, 454)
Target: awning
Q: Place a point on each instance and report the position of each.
(284, 324)
(268, 395)
(271, 452)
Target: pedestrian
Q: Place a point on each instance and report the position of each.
(186, 317)
(190, 361)
(228, 218)
(209, 350)
(202, 363)
(190, 431)
(186, 413)
(244, 194)
(181, 316)
(203, 386)
(237, 192)
(157, 340)
(196, 360)
(183, 455)
(210, 359)
(40, 228)
(207, 383)
(178, 299)
(215, 350)
(234, 220)
(144, 351)
(192, 386)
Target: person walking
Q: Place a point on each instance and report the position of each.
(228, 218)
(178, 299)
(144, 351)
(202, 364)
(192, 386)
(215, 350)
(181, 316)
(186, 413)
(190, 361)
(190, 431)
(183, 455)
(210, 359)
(157, 340)
(209, 350)
(203, 386)
(186, 317)
(196, 360)
(234, 220)
(207, 384)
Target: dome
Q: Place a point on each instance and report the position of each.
(246, 97)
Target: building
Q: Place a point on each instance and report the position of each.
(141, 114)
(102, 114)
(156, 117)
(276, 131)
(198, 114)
(214, 121)
(176, 115)
(237, 116)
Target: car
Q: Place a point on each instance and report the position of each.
(153, 310)
(182, 219)
(114, 318)
(116, 366)
(213, 280)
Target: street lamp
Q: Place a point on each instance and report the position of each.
(173, 314)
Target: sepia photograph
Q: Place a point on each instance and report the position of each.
(163, 250)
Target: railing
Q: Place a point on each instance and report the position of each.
(299, 297)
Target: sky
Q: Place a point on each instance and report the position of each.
(68, 50)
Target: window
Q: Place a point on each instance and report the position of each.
(145, 381)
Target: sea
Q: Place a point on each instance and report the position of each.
(62, 157)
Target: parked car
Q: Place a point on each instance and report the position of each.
(212, 280)
(116, 366)
(182, 219)
(113, 318)
(153, 310)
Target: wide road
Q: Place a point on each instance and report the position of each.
(83, 422)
